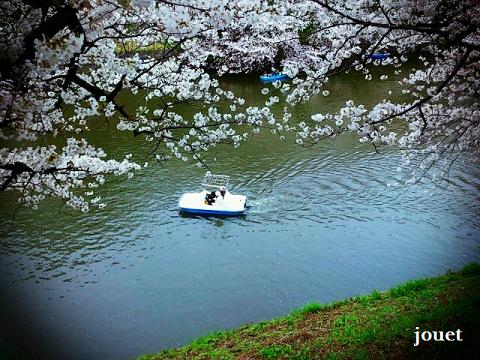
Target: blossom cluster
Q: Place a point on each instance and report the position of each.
(65, 62)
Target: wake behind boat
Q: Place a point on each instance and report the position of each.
(215, 199)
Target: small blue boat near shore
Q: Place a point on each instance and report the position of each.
(379, 56)
(274, 77)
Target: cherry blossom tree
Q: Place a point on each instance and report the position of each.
(64, 63)
(320, 39)
(441, 115)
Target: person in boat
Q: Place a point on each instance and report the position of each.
(271, 73)
(223, 191)
(209, 200)
(210, 197)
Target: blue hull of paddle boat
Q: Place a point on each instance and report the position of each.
(211, 212)
(272, 78)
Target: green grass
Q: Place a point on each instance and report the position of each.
(409, 288)
(472, 268)
(375, 326)
(276, 351)
(308, 309)
(132, 47)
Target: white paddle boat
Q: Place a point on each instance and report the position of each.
(215, 199)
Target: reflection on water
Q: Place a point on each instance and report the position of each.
(324, 223)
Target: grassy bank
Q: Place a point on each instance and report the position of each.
(132, 47)
(376, 326)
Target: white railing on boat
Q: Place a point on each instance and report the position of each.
(216, 181)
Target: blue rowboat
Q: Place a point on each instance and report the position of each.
(379, 56)
(274, 77)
